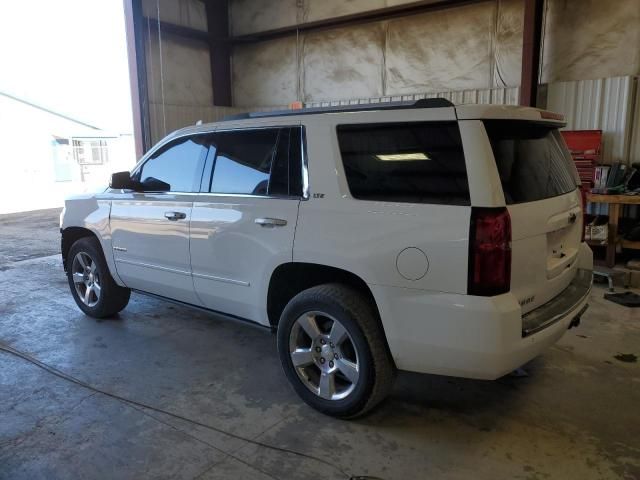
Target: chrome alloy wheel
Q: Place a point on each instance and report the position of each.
(86, 279)
(324, 355)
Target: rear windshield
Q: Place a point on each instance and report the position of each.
(405, 162)
(532, 160)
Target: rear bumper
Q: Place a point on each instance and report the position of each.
(467, 336)
(561, 306)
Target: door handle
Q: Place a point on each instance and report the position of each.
(271, 222)
(175, 215)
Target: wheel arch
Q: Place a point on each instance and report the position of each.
(289, 279)
(71, 235)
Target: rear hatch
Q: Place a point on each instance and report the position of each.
(540, 185)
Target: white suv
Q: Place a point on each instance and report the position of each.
(421, 237)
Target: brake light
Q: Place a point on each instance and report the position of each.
(583, 200)
(489, 252)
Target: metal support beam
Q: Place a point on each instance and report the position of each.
(179, 30)
(376, 15)
(532, 35)
(137, 75)
(219, 51)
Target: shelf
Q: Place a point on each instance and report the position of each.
(631, 244)
(625, 244)
(620, 199)
(616, 203)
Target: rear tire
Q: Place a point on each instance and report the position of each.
(91, 284)
(342, 365)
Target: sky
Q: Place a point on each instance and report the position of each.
(69, 56)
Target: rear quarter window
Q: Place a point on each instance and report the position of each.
(421, 162)
(532, 159)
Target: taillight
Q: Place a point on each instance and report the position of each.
(489, 251)
(583, 199)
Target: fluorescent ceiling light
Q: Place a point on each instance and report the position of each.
(403, 157)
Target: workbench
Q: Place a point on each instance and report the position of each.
(615, 203)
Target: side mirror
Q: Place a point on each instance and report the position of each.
(122, 181)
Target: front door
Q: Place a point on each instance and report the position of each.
(150, 229)
(243, 223)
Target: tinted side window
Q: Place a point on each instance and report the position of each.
(532, 159)
(178, 164)
(279, 181)
(286, 172)
(405, 162)
(243, 161)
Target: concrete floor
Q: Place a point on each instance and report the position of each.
(32, 235)
(577, 414)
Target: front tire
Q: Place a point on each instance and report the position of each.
(92, 287)
(333, 351)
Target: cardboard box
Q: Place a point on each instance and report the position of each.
(633, 264)
(634, 281)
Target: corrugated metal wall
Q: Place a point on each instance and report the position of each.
(606, 104)
(496, 96)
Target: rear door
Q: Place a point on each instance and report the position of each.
(244, 219)
(540, 185)
(150, 229)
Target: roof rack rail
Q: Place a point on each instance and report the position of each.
(362, 107)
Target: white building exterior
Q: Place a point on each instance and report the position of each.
(46, 156)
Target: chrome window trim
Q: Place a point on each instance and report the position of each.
(305, 162)
(245, 195)
(154, 267)
(208, 194)
(183, 272)
(221, 279)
